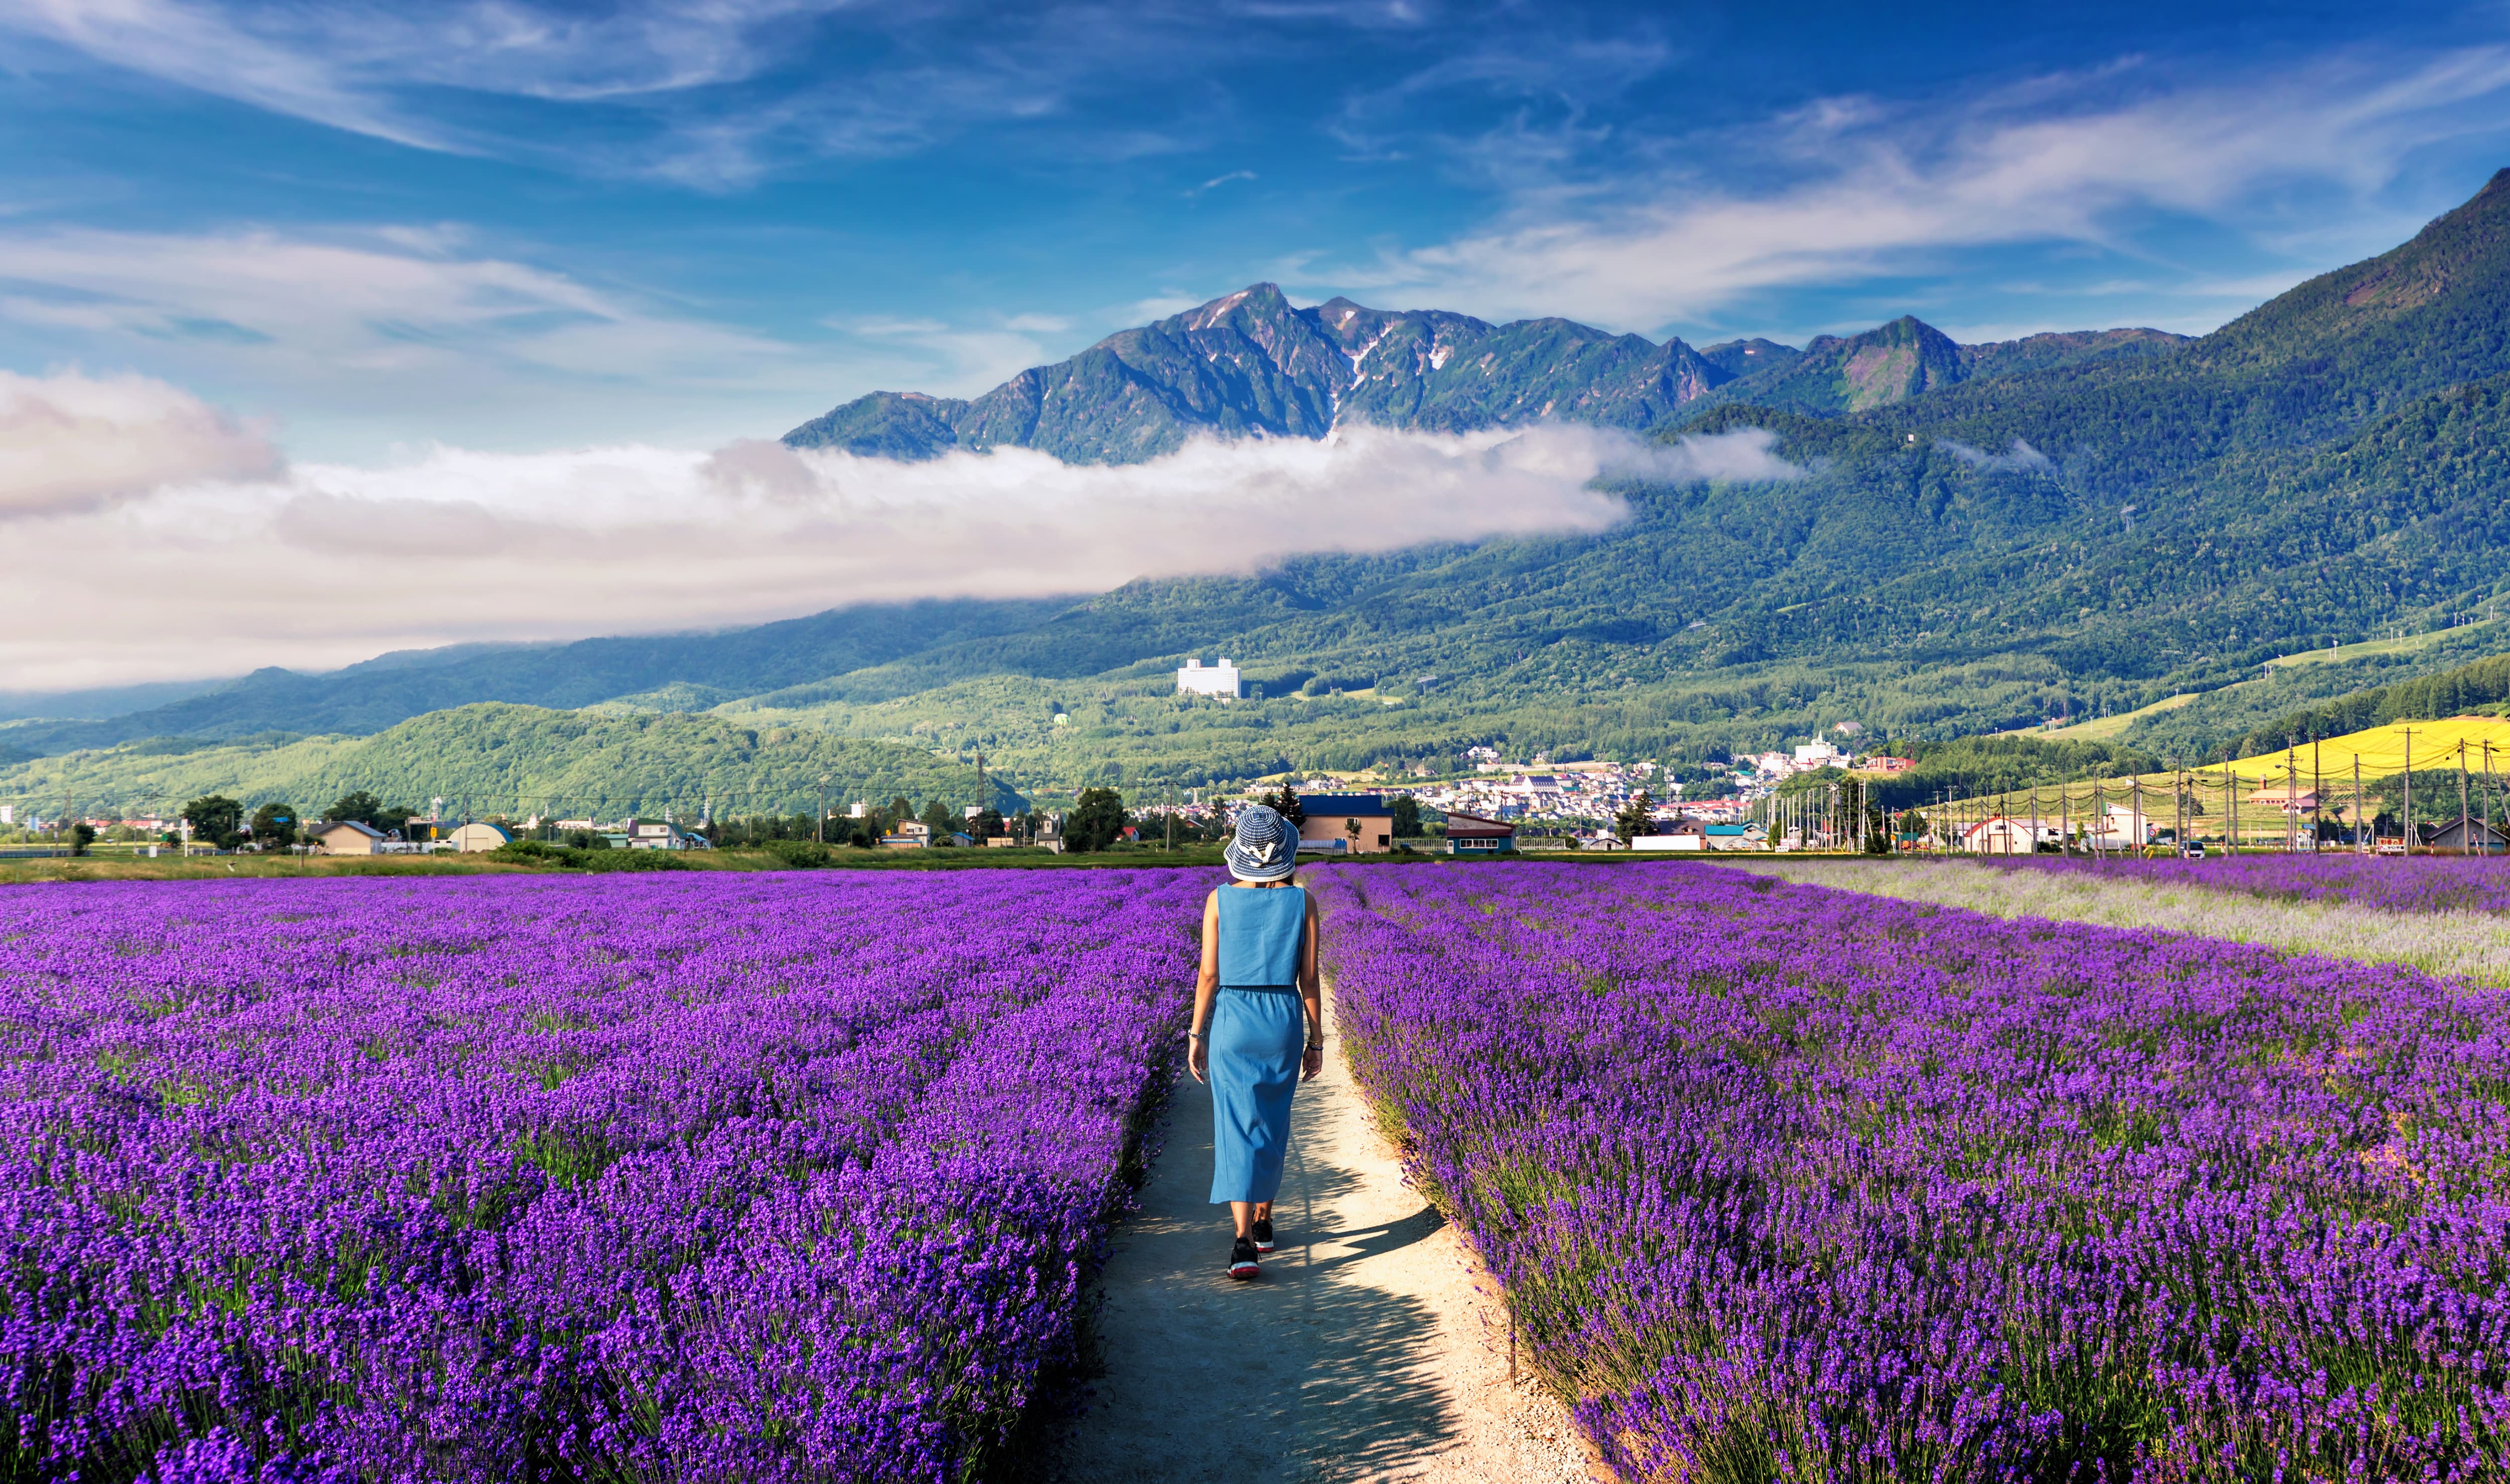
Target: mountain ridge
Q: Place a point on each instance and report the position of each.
(2075, 523)
(1251, 363)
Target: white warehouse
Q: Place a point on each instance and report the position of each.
(1219, 680)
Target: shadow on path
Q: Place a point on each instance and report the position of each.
(1325, 1368)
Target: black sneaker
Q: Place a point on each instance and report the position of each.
(1242, 1260)
(1263, 1234)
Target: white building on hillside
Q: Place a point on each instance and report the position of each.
(1219, 680)
(2122, 826)
(1818, 753)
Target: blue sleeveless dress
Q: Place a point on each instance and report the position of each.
(1258, 1031)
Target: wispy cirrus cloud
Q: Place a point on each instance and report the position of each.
(352, 66)
(1865, 188)
(362, 320)
(706, 96)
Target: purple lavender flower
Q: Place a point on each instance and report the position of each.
(712, 1177)
(1790, 1183)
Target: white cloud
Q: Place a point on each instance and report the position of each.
(71, 443)
(1867, 190)
(337, 563)
(2021, 458)
(1742, 456)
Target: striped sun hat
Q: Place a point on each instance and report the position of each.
(1266, 845)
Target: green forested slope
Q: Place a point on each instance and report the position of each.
(2070, 524)
(374, 695)
(1962, 561)
(513, 760)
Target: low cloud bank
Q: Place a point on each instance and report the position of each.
(70, 442)
(230, 562)
(1742, 456)
(2021, 458)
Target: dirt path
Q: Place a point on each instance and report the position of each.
(1364, 1352)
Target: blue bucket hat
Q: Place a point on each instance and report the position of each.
(1266, 845)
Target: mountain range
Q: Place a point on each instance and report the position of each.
(2064, 525)
(1252, 362)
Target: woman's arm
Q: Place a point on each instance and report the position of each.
(1312, 991)
(1205, 984)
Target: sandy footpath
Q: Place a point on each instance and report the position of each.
(1364, 1352)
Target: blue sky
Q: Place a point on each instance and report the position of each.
(522, 225)
(510, 288)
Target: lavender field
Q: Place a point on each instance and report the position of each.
(693, 1178)
(2382, 884)
(1786, 1183)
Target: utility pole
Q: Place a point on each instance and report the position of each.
(819, 827)
(2290, 813)
(2357, 807)
(2230, 810)
(2489, 787)
(2317, 791)
(2464, 842)
(2177, 808)
(2410, 793)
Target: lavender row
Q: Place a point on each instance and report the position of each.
(1792, 1184)
(696, 1178)
(2381, 882)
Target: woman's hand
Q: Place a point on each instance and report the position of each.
(1196, 1059)
(1313, 1062)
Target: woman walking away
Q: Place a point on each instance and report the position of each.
(1258, 1023)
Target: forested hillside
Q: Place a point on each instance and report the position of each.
(513, 760)
(1982, 537)
(653, 672)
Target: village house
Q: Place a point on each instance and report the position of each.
(908, 835)
(2290, 798)
(1998, 835)
(1473, 834)
(1737, 837)
(2120, 828)
(1331, 816)
(664, 835)
(2466, 837)
(1683, 834)
(477, 838)
(347, 837)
